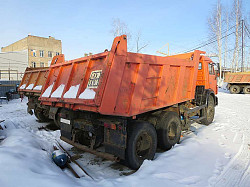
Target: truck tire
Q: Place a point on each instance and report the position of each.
(57, 119)
(246, 90)
(208, 112)
(39, 113)
(141, 144)
(234, 89)
(168, 130)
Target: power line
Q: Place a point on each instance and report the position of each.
(209, 39)
(234, 49)
(248, 33)
(209, 43)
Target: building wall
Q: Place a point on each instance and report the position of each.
(13, 65)
(36, 44)
(43, 44)
(17, 46)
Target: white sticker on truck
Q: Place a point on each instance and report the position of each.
(94, 79)
(65, 121)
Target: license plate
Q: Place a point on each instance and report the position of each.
(62, 120)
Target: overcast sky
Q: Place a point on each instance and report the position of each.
(84, 26)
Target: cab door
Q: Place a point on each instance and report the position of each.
(212, 78)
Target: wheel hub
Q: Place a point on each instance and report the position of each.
(172, 131)
(143, 145)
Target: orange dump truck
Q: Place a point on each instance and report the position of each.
(238, 82)
(31, 86)
(129, 103)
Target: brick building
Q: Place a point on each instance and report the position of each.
(40, 50)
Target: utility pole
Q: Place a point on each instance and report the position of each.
(242, 44)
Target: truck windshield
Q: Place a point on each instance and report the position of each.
(200, 66)
(211, 69)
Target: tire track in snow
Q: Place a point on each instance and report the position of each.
(237, 171)
(233, 173)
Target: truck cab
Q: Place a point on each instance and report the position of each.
(206, 74)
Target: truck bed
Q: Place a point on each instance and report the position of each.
(33, 80)
(243, 77)
(121, 83)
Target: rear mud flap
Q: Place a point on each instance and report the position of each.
(66, 130)
(115, 142)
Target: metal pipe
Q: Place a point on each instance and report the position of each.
(85, 148)
(73, 160)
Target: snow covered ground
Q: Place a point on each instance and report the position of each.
(215, 155)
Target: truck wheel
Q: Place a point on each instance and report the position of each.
(234, 89)
(208, 112)
(168, 130)
(39, 113)
(141, 144)
(57, 119)
(246, 90)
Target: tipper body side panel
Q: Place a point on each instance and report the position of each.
(121, 83)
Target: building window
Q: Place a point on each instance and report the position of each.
(41, 64)
(33, 52)
(57, 53)
(33, 64)
(49, 53)
(41, 53)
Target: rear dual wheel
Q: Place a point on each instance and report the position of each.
(141, 143)
(246, 90)
(41, 114)
(168, 130)
(57, 120)
(234, 89)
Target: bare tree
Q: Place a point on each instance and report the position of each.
(139, 44)
(226, 40)
(120, 28)
(236, 14)
(215, 23)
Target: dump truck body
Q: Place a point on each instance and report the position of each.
(121, 83)
(238, 82)
(33, 81)
(129, 102)
(31, 86)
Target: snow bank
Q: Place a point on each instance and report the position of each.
(23, 86)
(87, 94)
(48, 91)
(58, 92)
(72, 92)
(214, 155)
(30, 87)
(25, 160)
(38, 87)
